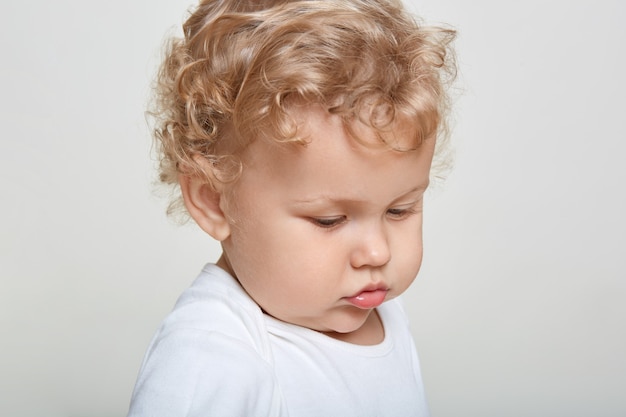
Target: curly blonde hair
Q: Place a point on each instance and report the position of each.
(241, 64)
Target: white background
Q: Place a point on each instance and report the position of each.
(520, 307)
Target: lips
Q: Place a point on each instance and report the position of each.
(370, 297)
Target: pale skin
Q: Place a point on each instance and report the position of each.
(311, 226)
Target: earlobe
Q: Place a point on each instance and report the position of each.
(203, 204)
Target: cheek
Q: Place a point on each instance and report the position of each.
(407, 270)
(275, 252)
(409, 251)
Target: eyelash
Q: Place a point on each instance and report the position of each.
(400, 214)
(332, 222)
(328, 223)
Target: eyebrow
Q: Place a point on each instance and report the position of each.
(323, 198)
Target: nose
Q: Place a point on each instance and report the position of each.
(371, 248)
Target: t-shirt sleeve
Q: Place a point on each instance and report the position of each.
(200, 373)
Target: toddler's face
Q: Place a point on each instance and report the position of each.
(325, 233)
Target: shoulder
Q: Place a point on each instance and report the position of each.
(209, 350)
(193, 372)
(216, 304)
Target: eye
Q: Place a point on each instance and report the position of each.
(401, 213)
(328, 222)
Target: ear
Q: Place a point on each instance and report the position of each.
(203, 204)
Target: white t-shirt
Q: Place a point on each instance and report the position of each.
(217, 354)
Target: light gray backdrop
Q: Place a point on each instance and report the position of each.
(521, 303)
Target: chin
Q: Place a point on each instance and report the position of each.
(350, 321)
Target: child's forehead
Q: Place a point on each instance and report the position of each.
(331, 144)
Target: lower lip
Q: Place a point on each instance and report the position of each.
(368, 299)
